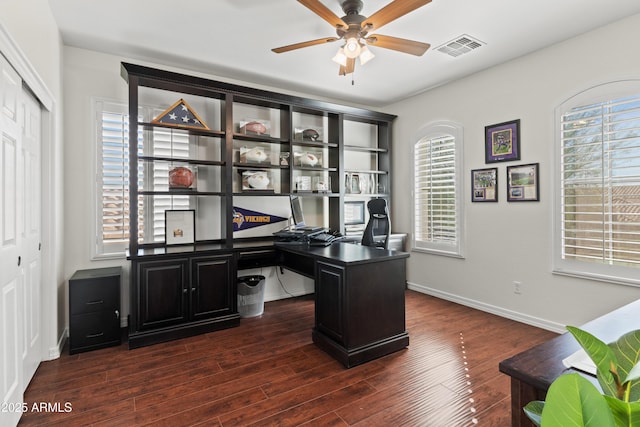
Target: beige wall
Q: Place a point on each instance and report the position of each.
(508, 242)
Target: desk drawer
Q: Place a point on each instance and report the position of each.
(258, 258)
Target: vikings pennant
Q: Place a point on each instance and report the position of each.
(244, 219)
(181, 115)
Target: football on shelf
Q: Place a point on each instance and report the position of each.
(255, 127)
(180, 177)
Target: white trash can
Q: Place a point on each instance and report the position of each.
(250, 296)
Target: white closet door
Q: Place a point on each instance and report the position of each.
(31, 237)
(11, 266)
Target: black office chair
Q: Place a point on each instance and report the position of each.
(378, 228)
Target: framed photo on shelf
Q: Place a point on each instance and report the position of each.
(303, 183)
(484, 185)
(523, 184)
(352, 183)
(179, 227)
(502, 142)
(354, 212)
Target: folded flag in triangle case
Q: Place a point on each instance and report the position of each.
(182, 115)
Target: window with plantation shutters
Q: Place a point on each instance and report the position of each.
(112, 184)
(437, 215)
(113, 204)
(598, 223)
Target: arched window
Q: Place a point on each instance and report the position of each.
(597, 209)
(438, 189)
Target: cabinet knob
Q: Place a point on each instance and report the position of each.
(185, 290)
(19, 260)
(193, 289)
(117, 314)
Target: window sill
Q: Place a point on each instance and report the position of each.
(615, 280)
(438, 252)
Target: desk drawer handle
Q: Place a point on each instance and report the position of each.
(94, 302)
(95, 335)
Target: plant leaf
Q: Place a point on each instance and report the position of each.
(627, 352)
(573, 401)
(634, 374)
(533, 410)
(625, 413)
(603, 357)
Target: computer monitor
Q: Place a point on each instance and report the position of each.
(296, 212)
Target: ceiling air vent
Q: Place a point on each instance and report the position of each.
(460, 45)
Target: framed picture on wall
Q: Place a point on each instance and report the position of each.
(502, 142)
(179, 227)
(523, 183)
(484, 185)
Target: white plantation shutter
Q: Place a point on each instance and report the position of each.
(113, 182)
(601, 182)
(598, 222)
(437, 193)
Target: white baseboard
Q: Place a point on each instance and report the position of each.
(499, 311)
(55, 352)
(282, 295)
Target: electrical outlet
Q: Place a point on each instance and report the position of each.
(517, 287)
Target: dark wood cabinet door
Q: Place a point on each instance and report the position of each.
(213, 286)
(163, 291)
(329, 300)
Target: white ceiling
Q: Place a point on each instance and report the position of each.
(232, 39)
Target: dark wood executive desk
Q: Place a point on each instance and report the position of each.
(359, 293)
(359, 298)
(533, 370)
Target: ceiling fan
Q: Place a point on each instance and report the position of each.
(354, 29)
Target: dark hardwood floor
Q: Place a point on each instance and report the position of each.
(267, 372)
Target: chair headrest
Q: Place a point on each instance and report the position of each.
(377, 207)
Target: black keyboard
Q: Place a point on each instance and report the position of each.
(323, 239)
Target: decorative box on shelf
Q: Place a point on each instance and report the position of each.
(303, 183)
(183, 178)
(308, 159)
(256, 181)
(254, 127)
(321, 184)
(254, 155)
(284, 158)
(308, 134)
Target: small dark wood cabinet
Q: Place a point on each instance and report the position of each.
(177, 297)
(94, 309)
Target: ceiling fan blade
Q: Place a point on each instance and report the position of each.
(324, 12)
(392, 11)
(304, 44)
(401, 45)
(349, 68)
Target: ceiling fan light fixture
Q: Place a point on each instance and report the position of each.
(365, 55)
(340, 57)
(352, 48)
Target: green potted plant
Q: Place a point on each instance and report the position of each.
(572, 400)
